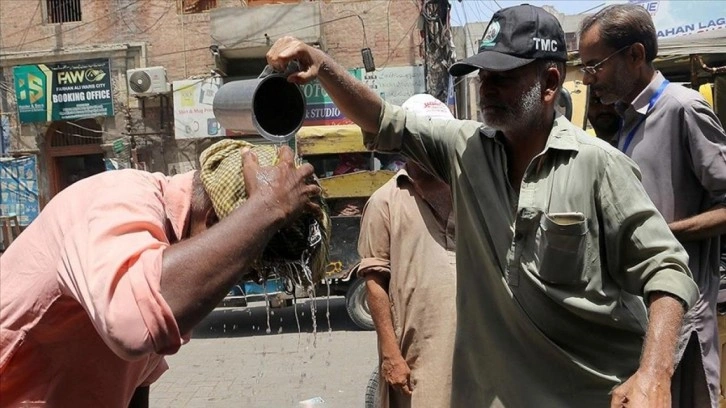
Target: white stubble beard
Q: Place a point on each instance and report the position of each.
(524, 113)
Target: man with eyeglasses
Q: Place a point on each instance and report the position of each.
(680, 145)
(557, 243)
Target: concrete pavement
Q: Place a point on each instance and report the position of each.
(232, 361)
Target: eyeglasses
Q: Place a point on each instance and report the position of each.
(593, 69)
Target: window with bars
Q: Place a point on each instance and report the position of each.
(195, 6)
(63, 11)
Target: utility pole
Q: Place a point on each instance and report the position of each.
(437, 47)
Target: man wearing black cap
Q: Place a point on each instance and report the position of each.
(557, 242)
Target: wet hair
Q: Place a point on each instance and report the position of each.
(622, 25)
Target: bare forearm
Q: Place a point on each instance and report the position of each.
(354, 99)
(198, 272)
(666, 318)
(380, 307)
(708, 224)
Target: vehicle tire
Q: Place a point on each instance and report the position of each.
(357, 305)
(372, 390)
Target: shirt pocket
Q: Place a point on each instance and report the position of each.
(561, 241)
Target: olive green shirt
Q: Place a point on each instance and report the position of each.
(551, 274)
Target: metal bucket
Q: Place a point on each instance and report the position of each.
(269, 106)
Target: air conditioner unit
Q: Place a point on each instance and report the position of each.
(147, 81)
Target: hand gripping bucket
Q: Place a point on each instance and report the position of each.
(269, 106)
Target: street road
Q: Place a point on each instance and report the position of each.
(232, 361)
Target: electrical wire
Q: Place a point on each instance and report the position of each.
(458, 18)
(362, 23)
(79, 135)
(75, 27)
(388, 26)
(25, 34)
(467, 31)
(485, 15)
(114, 24)
(149, 4)
(391, 52)
(179, 52)
(263, 40)
(592, 8)
(408, 32)
(146, 30)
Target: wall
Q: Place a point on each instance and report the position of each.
(143, 33)
(131, 33)
(391, 31)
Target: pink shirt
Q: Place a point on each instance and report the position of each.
(82, 319)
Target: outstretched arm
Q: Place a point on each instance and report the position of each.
(354, 99)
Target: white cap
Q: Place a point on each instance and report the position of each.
(427, 105)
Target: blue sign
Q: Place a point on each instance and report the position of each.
(19, 188)
(679, 18)
(4, 135)
(324, 114)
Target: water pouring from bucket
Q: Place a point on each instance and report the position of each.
(268, 105)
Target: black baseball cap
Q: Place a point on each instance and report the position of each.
(515, 37)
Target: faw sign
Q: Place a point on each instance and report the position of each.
(63, 91)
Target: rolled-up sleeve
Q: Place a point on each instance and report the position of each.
(112, 266)
(428, 141)
(374, 239)
(643, 256)
(707, 143)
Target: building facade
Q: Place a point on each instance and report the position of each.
(69, 99)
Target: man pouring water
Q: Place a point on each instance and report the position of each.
(570, 287)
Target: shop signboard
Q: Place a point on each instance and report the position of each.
(63, 91)
(680, 18)
(193, 112)
(396, 84)
(320, 109)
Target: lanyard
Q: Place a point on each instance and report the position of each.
(651, 103)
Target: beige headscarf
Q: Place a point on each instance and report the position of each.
(298, 252)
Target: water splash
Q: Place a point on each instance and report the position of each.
(313, 312)
(267, 306)
(327, 305)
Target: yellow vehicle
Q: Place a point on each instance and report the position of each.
(349, 173)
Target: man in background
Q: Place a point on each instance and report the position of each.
(603, 118)
(679, 144)
(407, 252)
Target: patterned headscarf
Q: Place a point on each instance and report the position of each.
(298, 252)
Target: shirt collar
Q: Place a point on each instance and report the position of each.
(562, 136)
(177, 201)
(640, 103)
